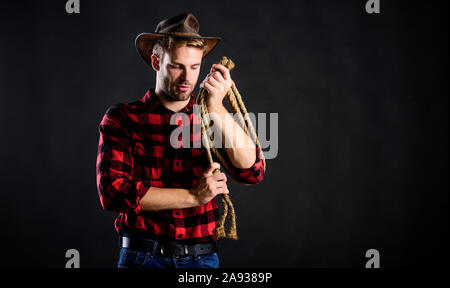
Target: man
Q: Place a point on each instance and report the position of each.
(166, 196)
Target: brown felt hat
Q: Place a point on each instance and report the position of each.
(181, 26)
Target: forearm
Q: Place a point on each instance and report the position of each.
(168, 199)
(239, 147)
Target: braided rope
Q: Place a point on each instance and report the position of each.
(238, 108)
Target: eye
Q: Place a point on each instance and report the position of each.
(174, 66)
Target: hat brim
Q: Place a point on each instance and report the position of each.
(144, 44)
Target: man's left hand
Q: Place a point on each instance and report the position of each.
(217, 82)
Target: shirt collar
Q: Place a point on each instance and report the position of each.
(153, 103)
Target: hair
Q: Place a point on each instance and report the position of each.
(167, 43)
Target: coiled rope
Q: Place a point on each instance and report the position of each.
(237, 105)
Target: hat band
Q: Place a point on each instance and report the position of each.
(184, 34)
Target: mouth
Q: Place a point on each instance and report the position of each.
(183, 88)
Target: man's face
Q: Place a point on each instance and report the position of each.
(179, 71)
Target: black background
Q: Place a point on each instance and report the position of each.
(363, 127)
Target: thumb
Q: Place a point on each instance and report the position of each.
(213, 166)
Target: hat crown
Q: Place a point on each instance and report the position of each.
(183, 23)
(183, 26)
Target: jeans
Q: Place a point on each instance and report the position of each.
(130, 258)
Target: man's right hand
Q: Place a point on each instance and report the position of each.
(210, 184)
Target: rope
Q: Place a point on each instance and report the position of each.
(238, 108)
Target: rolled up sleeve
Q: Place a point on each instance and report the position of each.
(253, 174)
(117, 189)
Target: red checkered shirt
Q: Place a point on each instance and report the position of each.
(134, 154)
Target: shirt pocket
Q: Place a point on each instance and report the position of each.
(148, 158)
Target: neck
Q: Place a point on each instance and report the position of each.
(170, 104)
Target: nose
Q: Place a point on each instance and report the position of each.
(187, 75)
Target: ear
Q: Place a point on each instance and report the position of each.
(155, 62)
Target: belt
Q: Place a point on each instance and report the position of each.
(167, 249)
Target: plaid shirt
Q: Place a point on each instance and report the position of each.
(134, 154)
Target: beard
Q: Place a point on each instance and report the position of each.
(174, 94)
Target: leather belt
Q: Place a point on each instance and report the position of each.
(167, 249)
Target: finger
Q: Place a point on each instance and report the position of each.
(219, 190)
(224, 70)
(214, 82)
(220, 177)
(221, 185)
(203, 83)
(223, 191)
(209, 87)
(210, 169)
(218, 76)
(206, 77)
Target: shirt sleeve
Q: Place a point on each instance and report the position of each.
(117, 189)
(252, 175)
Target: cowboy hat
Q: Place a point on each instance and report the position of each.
(181, 26)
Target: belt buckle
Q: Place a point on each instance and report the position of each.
(180, 250)
(162, 250)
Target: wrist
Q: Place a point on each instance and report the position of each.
(193, 198)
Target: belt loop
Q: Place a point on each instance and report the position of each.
(154, 247)
(161, 248)
(121, 240)
(194, 247)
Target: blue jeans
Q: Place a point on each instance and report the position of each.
(130, 258)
